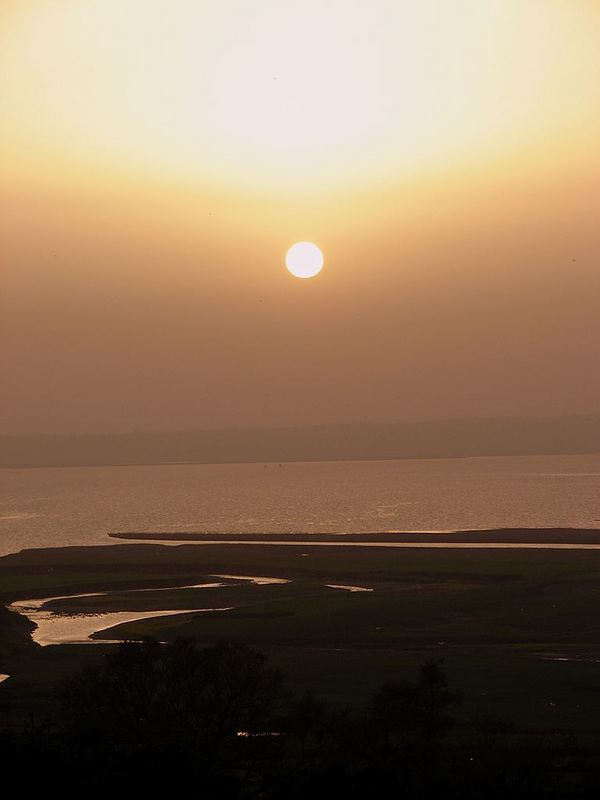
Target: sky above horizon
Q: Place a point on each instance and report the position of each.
(157, 160)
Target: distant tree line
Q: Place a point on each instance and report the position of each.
(219, 723)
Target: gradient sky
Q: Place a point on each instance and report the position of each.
(158, 157)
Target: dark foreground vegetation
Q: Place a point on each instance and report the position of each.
(15, 635)
(157, 717)
(365, 704)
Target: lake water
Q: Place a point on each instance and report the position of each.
(76, 506)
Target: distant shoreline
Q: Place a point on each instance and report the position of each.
(349, 441)
(283, 461)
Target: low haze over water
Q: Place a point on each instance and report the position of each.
(79, 506)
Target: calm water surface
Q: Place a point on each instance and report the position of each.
(75, 506)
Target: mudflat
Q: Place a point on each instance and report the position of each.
(494, 535)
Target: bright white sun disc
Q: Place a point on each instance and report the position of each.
(304, 260)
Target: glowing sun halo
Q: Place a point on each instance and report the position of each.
(304, 260)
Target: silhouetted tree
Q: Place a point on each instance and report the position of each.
(153, 716)
(212, 706)
(406, 713)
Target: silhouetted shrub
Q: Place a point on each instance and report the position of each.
(154, 717)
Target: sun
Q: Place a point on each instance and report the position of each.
(304, 260)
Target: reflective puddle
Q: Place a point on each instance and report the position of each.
(258, 579)
(347, 587)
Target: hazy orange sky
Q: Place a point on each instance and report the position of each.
(158, 158)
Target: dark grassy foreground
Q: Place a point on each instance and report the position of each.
(157, 717)
(498, 619)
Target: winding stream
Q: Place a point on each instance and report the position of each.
(58, 628)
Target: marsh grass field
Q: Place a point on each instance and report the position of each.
(518, 630)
